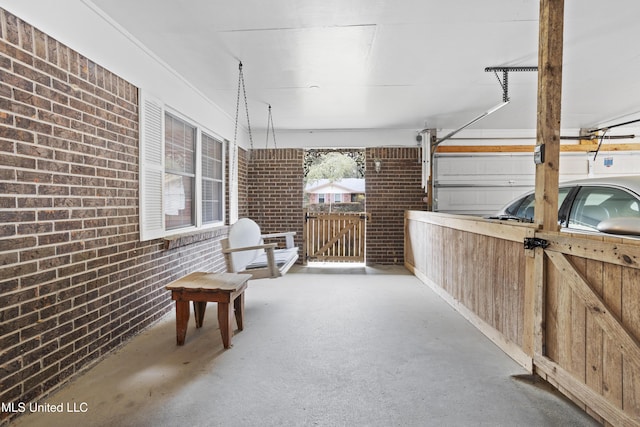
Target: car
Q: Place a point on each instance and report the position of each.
(600, 205)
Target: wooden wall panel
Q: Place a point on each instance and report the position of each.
(588, 346)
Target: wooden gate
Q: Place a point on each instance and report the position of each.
(335, 237)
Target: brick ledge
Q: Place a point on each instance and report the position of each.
(179, 240)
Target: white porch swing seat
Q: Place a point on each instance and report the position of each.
(245, 252)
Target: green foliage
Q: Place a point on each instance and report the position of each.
(333, 166)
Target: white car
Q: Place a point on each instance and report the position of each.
(606, 205)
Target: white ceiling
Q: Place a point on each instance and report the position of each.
(391, 64)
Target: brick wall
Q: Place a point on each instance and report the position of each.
(75, 281)
(275, 181)
(275, 190)
(390, 192)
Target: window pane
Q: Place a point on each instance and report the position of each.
(179, 178)
(595, 204)
(180, 141)
(178, 201)
(211, 201)
(212, 195)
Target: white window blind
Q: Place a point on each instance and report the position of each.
(151, 168)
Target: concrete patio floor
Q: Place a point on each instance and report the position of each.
(321, 347)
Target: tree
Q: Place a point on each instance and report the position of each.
(332, 166)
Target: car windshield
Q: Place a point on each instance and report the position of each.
(525, 208)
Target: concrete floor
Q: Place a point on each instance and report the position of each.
(358, 347)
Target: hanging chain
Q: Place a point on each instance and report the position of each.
(273, 130)
(234, 164)
(246, 104)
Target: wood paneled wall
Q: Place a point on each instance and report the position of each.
(570, 313)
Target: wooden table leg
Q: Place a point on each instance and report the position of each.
(199, 307)
(238, 305)
(225, 322)
(182, 320)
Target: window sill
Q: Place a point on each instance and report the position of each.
(179, 240)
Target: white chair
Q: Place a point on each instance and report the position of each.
(245, 252)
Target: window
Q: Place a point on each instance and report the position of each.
(525, 208)
(181, 173)
(337, 198)
(212, 179)
(595, 204)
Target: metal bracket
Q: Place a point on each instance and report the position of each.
(504, 83)
(535, 242)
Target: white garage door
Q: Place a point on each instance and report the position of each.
(480, 184)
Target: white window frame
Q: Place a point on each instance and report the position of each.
(152, 169)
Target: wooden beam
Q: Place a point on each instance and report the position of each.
(553, 372)
(524, 148)
(590, 247)
(515, 232)
(549, 104)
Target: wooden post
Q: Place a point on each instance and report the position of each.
(547, 171)
(433, 137)
(549, 102)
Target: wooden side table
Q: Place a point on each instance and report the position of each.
(199, 287)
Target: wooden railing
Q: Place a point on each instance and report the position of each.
(570, 312)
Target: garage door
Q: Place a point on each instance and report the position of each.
(481, 183)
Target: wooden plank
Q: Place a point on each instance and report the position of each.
(578, 327)
(532, 322)
(305, 238)
(563, 315)
(485, 303)
(440, 256)
(594, 337)
(612, 369)
(611, 325)
(626, 253)
(514, 291)
(471, 283)
(556, 373)
(501, 289)
(499, 229)
(524, 148)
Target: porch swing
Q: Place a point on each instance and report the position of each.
(244, 249)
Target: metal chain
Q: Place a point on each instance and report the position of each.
(246, 105)
(273, 130)
(234, 164)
